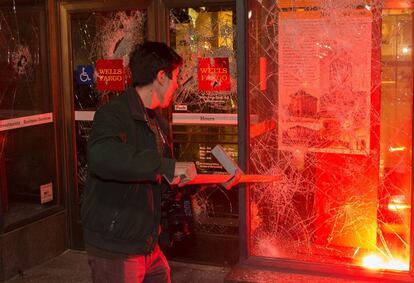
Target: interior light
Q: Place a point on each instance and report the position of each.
(374, 261)
(249, 14)
(397, 264)
(398, 206)
(206, 45)
(405, 50)
(397, 148)
(368, 7)
(398, 203)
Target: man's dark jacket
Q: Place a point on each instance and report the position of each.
(121, 208)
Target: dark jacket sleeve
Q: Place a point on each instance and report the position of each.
(110, 158)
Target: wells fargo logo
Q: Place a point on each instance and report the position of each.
(213, 74)
(110, 75)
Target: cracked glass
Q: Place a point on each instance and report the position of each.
(108, 35)
(330, 105)
(204, 114)
(27, 140)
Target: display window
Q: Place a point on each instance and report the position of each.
(28, 171)
(330, 87)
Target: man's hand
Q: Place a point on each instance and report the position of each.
(186, 171)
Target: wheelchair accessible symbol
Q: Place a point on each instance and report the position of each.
(84, 75)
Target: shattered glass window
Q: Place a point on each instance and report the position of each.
(200, 34)
(27, 141)
(95, 36)
(204, 114)
(330, 104)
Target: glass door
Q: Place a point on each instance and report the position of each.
(99, 37)
(204, 220)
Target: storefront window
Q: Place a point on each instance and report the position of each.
(27, 142)
(394, 214)
(330, 99)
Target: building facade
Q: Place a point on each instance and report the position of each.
(316, 92)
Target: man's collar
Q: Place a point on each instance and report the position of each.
(135, 104)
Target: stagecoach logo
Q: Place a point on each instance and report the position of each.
(110, 75)
(213, 74)
(84, 75)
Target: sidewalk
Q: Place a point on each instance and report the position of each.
(71, 266)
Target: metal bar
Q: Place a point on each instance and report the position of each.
(243, 113)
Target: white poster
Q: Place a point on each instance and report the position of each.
(46, 193)
(325, 82)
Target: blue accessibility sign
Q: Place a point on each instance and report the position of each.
(84, 75)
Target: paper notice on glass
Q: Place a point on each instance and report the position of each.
(325, 82)
(46, 193)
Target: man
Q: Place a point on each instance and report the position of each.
(129, 156)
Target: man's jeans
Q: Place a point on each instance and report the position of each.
(152, 268)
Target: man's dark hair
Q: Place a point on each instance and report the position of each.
(149, 58)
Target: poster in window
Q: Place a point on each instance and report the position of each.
(325, 82)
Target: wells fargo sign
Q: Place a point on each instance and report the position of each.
(110, 75)
(213, 74)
